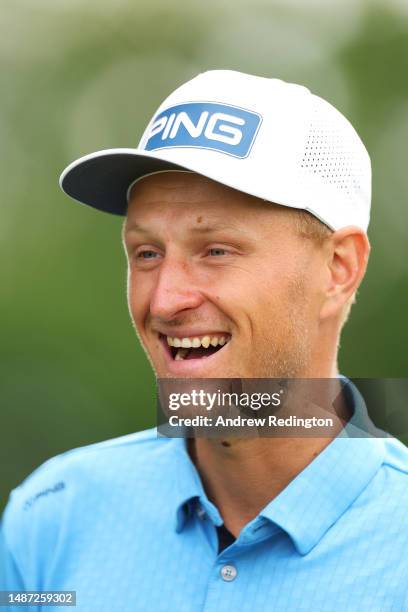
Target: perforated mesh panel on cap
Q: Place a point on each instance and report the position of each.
(333, 151)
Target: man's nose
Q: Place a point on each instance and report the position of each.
(175, 290)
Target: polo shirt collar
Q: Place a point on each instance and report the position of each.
(316, 498)
(188, 488)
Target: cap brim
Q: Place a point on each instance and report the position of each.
(102, 179)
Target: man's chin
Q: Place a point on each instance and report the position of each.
(162, 371)
(229, 371)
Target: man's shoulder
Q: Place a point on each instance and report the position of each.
(101, 458)
(89, 473)
(82, 492)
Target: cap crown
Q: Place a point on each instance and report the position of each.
(269, 138)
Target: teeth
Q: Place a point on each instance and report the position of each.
(196, 342)
(181, 353)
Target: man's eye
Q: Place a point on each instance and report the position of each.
(217, 251)
(147, 255)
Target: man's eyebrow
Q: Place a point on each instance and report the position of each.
(134, 227)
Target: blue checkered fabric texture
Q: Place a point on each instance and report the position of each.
(127, 524)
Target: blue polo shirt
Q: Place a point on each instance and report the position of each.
(128, 526)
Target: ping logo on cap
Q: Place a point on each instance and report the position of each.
(204, 125)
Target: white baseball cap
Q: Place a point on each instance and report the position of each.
(265, 137)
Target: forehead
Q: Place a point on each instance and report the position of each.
(175, 194)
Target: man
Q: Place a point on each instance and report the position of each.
(246, 208)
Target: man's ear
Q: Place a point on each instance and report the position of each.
(347, 252)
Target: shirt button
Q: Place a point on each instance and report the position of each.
(228, 573)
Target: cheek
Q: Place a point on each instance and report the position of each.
(275, 302)
(138, 295)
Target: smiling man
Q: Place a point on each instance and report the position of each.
(246, 209)
(212, 290)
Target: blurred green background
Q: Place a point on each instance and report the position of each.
(82, 76)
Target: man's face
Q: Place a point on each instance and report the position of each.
(210, 264)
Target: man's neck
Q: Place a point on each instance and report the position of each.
(242, 475)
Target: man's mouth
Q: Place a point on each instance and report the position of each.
(194, 347)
